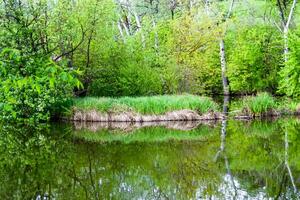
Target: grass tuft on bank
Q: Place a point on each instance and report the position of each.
(264, 104)
(146, 105)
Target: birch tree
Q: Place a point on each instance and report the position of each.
(290, 73)
(286, 16)
(223, 63)
(223, 54)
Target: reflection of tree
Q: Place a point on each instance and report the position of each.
(257, 156)
(286, 162)
(39, 162)
(223, 143)
(32, 162)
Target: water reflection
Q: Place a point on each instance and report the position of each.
(132, 126)
(228, 160)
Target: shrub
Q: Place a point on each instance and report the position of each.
(32, 88)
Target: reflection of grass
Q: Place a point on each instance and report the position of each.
(148, 134)
(147, 105)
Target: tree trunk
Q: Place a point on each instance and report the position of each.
(223, 68)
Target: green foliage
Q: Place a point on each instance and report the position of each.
(147, 105)
(124, 74)
(32, 88)
(254, 59)
(195, 50)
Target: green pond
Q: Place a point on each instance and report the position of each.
(172, 160)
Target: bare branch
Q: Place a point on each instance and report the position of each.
(291, 14)
(73, 49)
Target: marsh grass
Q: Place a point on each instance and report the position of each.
(147, 105)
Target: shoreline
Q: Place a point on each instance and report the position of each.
(177, 115)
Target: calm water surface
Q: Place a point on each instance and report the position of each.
(225, 160)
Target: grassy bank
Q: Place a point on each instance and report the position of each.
(146, 105)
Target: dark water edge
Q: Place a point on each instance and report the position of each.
(256, 159)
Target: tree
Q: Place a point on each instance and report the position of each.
(290, 72)
(222, 44)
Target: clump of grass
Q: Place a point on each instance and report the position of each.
(259, 105)
(147, 105)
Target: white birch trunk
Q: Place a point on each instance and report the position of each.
(155, 34)
(286, 45)
(286, 31)
(139, 28)
(207, 7)
(224, 68)
(121, 31)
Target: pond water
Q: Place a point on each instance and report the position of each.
(192, 160)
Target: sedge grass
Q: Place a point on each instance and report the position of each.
(147, 105)
(256, 105)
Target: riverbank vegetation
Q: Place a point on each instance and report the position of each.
(51, 51)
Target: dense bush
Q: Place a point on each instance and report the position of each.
(125, 74)
(32, 88)
(254, 59)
